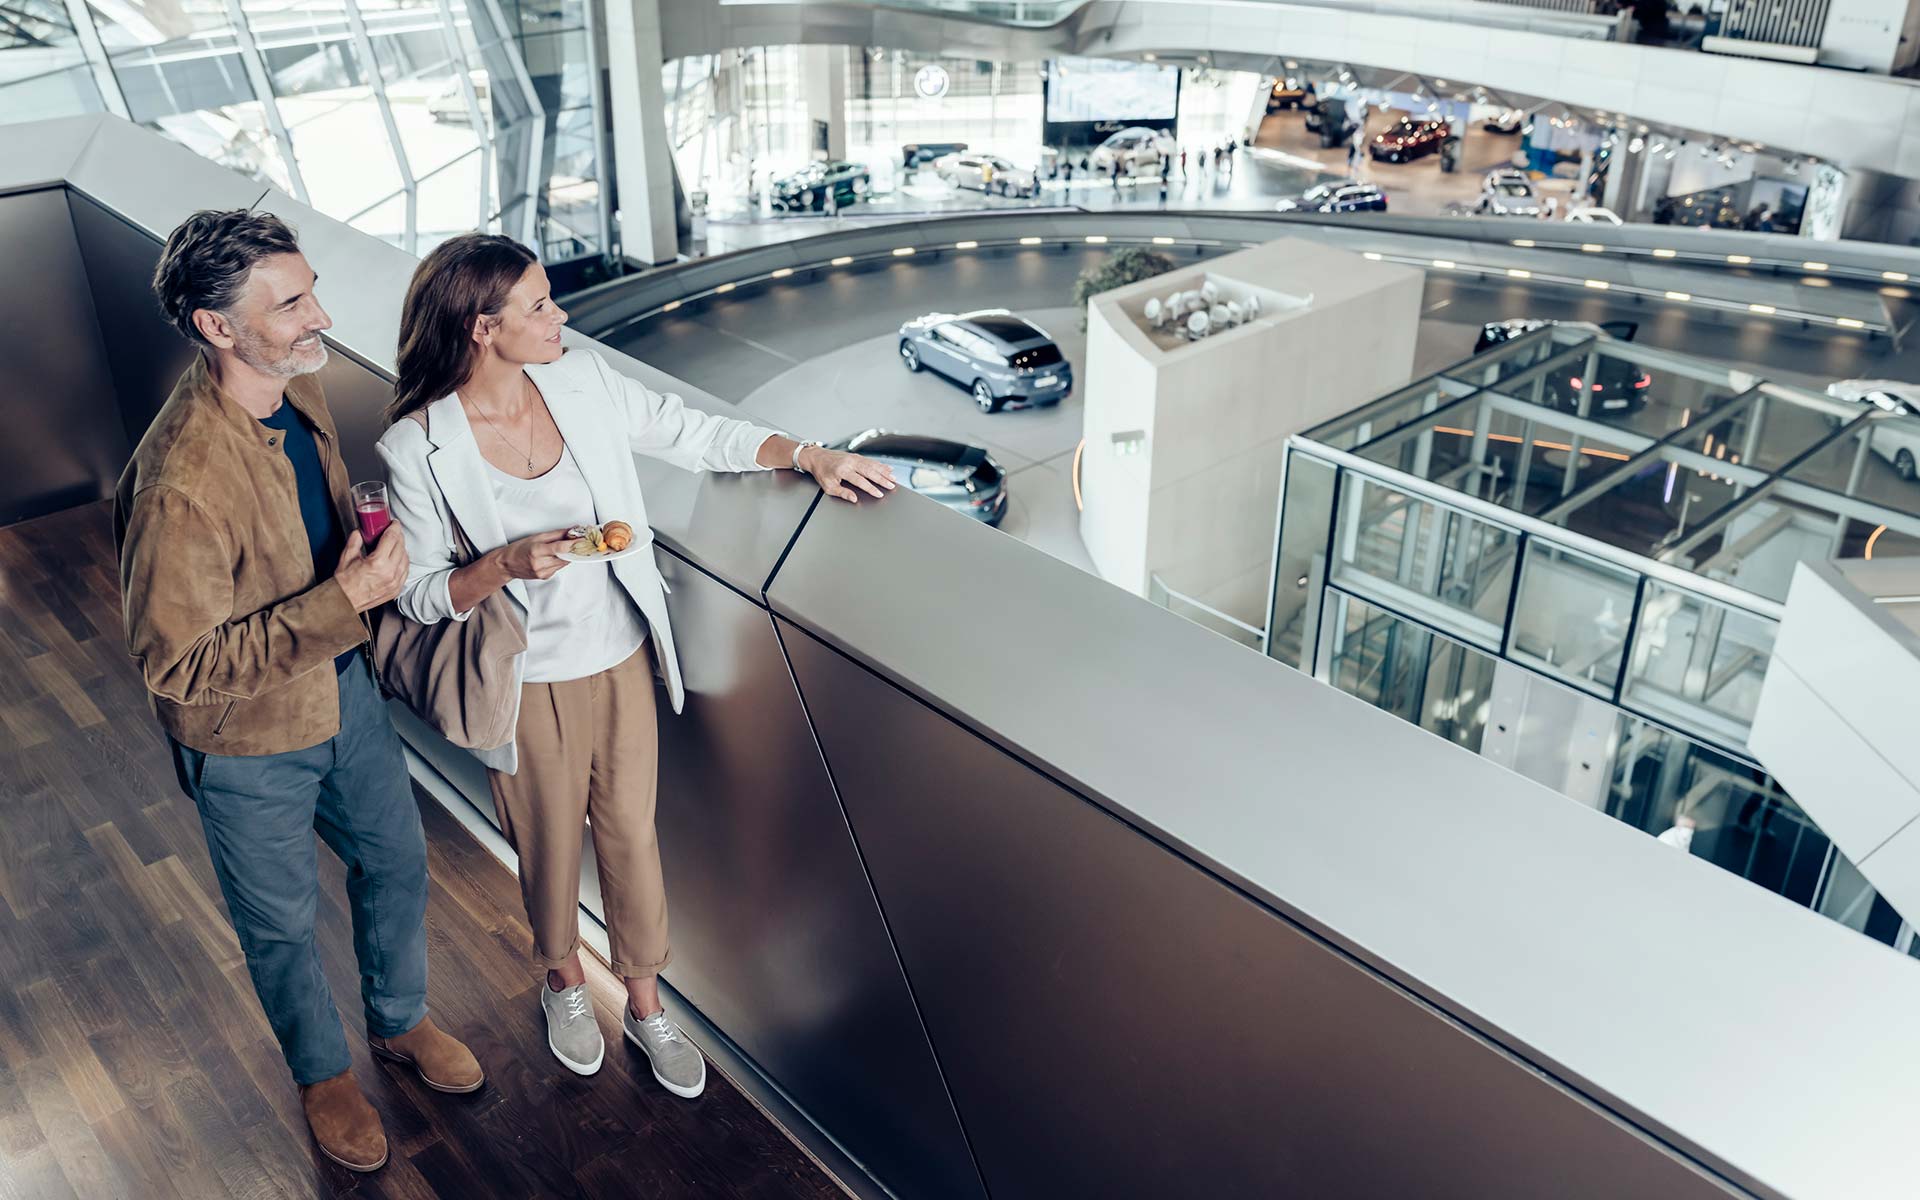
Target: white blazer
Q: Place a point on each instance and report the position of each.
(438, 471)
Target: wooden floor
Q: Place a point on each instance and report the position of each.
(134, 1060)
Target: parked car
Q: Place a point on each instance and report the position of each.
(1006, 361)
(988, 173)
(1618, 387)
(1337, 197)
(1509, 194)
(1137, 149)
(919, 154)
(962, 477)
(1896, 441)
(1594, 215)
(1287, 93)
(1507, 120)
(810, 186)
(1408, 138)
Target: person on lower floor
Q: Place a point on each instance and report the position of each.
(244, 593)
(504, 440)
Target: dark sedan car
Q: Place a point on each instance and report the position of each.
(1618, 386)
(962, 477)
(810, 186)
(1408, 139)
(1337, 197)
(1004, 360)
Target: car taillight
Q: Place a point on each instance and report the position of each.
(1644, 381)
(1578, 385)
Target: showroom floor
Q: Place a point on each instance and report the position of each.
(863, 386)
(1284, 161)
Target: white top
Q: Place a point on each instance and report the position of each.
(437, 482)
(580, 622)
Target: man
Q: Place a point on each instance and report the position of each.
(245, 607)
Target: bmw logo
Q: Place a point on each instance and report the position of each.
(930, 82)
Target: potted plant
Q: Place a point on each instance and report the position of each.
(1120, 268)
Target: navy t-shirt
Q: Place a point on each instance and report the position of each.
(325, 537)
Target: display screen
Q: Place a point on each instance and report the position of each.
(1104, 89)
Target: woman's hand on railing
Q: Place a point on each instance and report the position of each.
(839, 473)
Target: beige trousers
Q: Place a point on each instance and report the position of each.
(589, 750)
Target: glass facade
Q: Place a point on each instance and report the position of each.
(411, 120)
(1568, 554)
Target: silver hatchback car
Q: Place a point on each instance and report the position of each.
(1004, 360)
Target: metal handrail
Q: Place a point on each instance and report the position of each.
(1665, 573)
(1211, 611)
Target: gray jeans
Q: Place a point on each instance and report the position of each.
(260, 814)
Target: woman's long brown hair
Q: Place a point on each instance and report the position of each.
(462, 279)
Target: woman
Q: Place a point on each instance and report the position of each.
(497, 426)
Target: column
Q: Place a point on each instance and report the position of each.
(643, 162)
(823, 75)
(1625, 175)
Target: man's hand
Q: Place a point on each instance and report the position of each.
(535, 557)
(835, 470)
(372, 579)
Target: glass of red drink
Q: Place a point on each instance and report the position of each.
(370, 509)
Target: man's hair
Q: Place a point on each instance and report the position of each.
(207, 259)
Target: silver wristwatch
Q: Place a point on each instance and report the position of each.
(796, 455)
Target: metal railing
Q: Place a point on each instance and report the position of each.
(1205, 615)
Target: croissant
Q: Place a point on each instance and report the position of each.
(618, 535)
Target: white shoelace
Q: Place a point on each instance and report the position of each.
(659, 1027)
(577, 1007)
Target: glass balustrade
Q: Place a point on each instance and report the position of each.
(1590, 592)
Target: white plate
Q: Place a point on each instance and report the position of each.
(635, 548)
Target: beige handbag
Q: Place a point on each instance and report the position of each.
(457, 675)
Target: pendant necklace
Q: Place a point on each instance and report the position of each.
(526, 454)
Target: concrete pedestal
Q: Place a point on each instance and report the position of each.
(1184, 439)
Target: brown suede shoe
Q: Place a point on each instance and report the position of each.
(444, 1064)
(344, 1124)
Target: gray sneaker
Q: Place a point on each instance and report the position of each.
(677, 1064)
(572, 1033)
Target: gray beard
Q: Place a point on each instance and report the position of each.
(253, 352)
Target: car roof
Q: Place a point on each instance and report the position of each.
(1002, 326)
(918, 446)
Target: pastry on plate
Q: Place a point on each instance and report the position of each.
(590, 540)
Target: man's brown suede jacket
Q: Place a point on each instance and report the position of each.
(234, 633)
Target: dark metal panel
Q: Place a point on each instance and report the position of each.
(357, 397)
(1438, 868)
(776, 937)
(63, 443)
(145, 353)
(1115, 1022)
